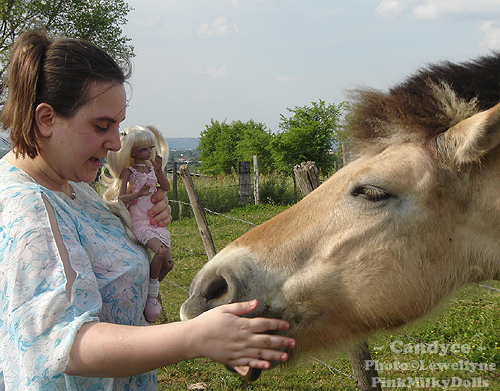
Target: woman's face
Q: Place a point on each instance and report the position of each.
(77, 144)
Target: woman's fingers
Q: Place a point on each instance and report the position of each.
(242, 308)
(258, 325)
(266, 341)
(258, 358)
(160, 213)
(241, 341)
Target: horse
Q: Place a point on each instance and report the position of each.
(413, 217)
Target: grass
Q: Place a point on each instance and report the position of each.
(470, 320)
(220, 194)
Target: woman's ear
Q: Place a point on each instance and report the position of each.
(45, 117)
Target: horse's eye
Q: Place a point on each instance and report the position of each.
(371, 193)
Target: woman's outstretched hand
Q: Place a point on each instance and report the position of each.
(226, 337)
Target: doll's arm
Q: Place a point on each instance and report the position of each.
(162, 180)
(160, 174)
(122, 188)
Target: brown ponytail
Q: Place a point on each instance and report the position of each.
(23, 84)
(58, 73)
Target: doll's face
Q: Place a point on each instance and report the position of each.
(142, 152)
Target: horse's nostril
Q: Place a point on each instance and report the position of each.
(216, 289)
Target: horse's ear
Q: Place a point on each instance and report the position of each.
(471, 139)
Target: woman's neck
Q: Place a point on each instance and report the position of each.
(42, 173)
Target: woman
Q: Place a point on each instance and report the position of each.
(73, 285)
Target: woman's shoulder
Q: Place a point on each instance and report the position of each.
(15, 182)
(21, 201)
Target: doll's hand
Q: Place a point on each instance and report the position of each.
(143, 191)
(157, 162)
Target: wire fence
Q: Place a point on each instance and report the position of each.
(331, 368)
(221, 194)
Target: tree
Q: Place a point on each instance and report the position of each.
(313, 133)
(223, 145)
(97, 21)
(255, 139)
(217, 148)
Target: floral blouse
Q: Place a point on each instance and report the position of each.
(38, 323)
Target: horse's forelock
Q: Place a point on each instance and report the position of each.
(426, 104)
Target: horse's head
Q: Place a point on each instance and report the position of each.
(385, 238)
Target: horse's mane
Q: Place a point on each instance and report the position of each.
(426, 104)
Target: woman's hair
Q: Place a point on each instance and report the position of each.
(59, 73)
(118, 161)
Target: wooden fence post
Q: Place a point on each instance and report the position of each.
(294, 183)
(307, 175)
(344, 155)
(175, 205)
(256, 193)
(199, 214)
(245, 187)
(366, 375)
(367, 379)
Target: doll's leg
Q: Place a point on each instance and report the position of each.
(166, 266)
(153, 308)
(160, 251)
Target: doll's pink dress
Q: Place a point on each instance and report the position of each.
(141, 227)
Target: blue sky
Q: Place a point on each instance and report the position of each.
(252, 59)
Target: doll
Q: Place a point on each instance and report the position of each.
(136, 170)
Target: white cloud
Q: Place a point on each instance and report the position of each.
(217, 28)
(434, 9)
(491, 31)
(215, 73)
(390, 9)
(286, 79)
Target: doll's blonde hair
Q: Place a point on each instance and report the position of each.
(118, 161)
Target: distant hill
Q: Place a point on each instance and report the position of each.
(173, 144)
(183, 143)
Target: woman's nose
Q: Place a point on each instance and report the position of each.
(113, 143)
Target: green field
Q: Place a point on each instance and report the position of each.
(407, 358)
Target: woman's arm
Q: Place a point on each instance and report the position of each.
(109, 350)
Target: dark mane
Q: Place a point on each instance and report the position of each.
(427, 103)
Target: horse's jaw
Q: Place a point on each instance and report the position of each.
(216, 285)
(234, 275)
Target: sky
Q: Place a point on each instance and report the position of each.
(230, 60)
